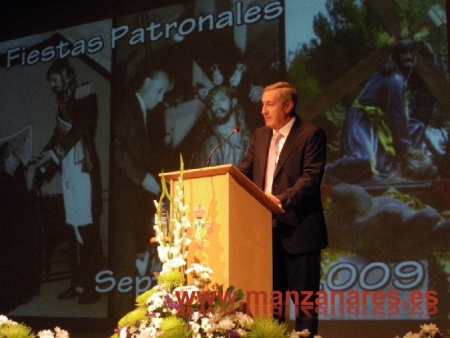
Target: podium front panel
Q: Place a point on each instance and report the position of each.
(231, 233)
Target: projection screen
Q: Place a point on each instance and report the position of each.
(388, 218)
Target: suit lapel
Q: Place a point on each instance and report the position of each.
(289, 145)
(267, 137)
(261, 157)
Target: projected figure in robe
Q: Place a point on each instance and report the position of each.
(381, 139)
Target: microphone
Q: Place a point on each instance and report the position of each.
(235, 131)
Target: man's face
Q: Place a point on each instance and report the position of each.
(154, 90)
(221, 107)
(407, 59)
(12, 161)
(275, 112)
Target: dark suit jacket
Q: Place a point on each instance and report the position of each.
(132, 155)
(137, 151)
(296, 183)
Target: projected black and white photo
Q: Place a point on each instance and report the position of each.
(180, 91)
(56, 117)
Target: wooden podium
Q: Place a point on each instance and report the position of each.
(231, 222)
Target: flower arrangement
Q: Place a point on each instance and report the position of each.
(175, 309)
(12, 329)
(236, 325)
(426, 331)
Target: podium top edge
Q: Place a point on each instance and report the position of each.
(200, 172)
(245, 182)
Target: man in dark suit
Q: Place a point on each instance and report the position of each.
(138, 134)
(300, 233)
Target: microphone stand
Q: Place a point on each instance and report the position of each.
(235, 131)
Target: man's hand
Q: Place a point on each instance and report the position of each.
(29, 175)
(142, 262)
(151, 185)
(44, 157)
(274, 199)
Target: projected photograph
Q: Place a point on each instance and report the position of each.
(54, 139)
(374, 76)
(184, 77)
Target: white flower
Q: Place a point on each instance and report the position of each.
(160, 236)
(186, 242)
(304, 333)
(298, 334)
(241, 332)
(198, 268)
(186, 288)
(6, 321)
(61, 333)
(45, 334)
(195, 327)
(205, 324)
(156, 300)
(173, 264)
(123, 333)
(430, 330)
(175, 248)
(3, 320)
(226, 324)
(163, 253)
(157, 322)
(243, 319)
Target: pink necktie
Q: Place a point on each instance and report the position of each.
(272, 161)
